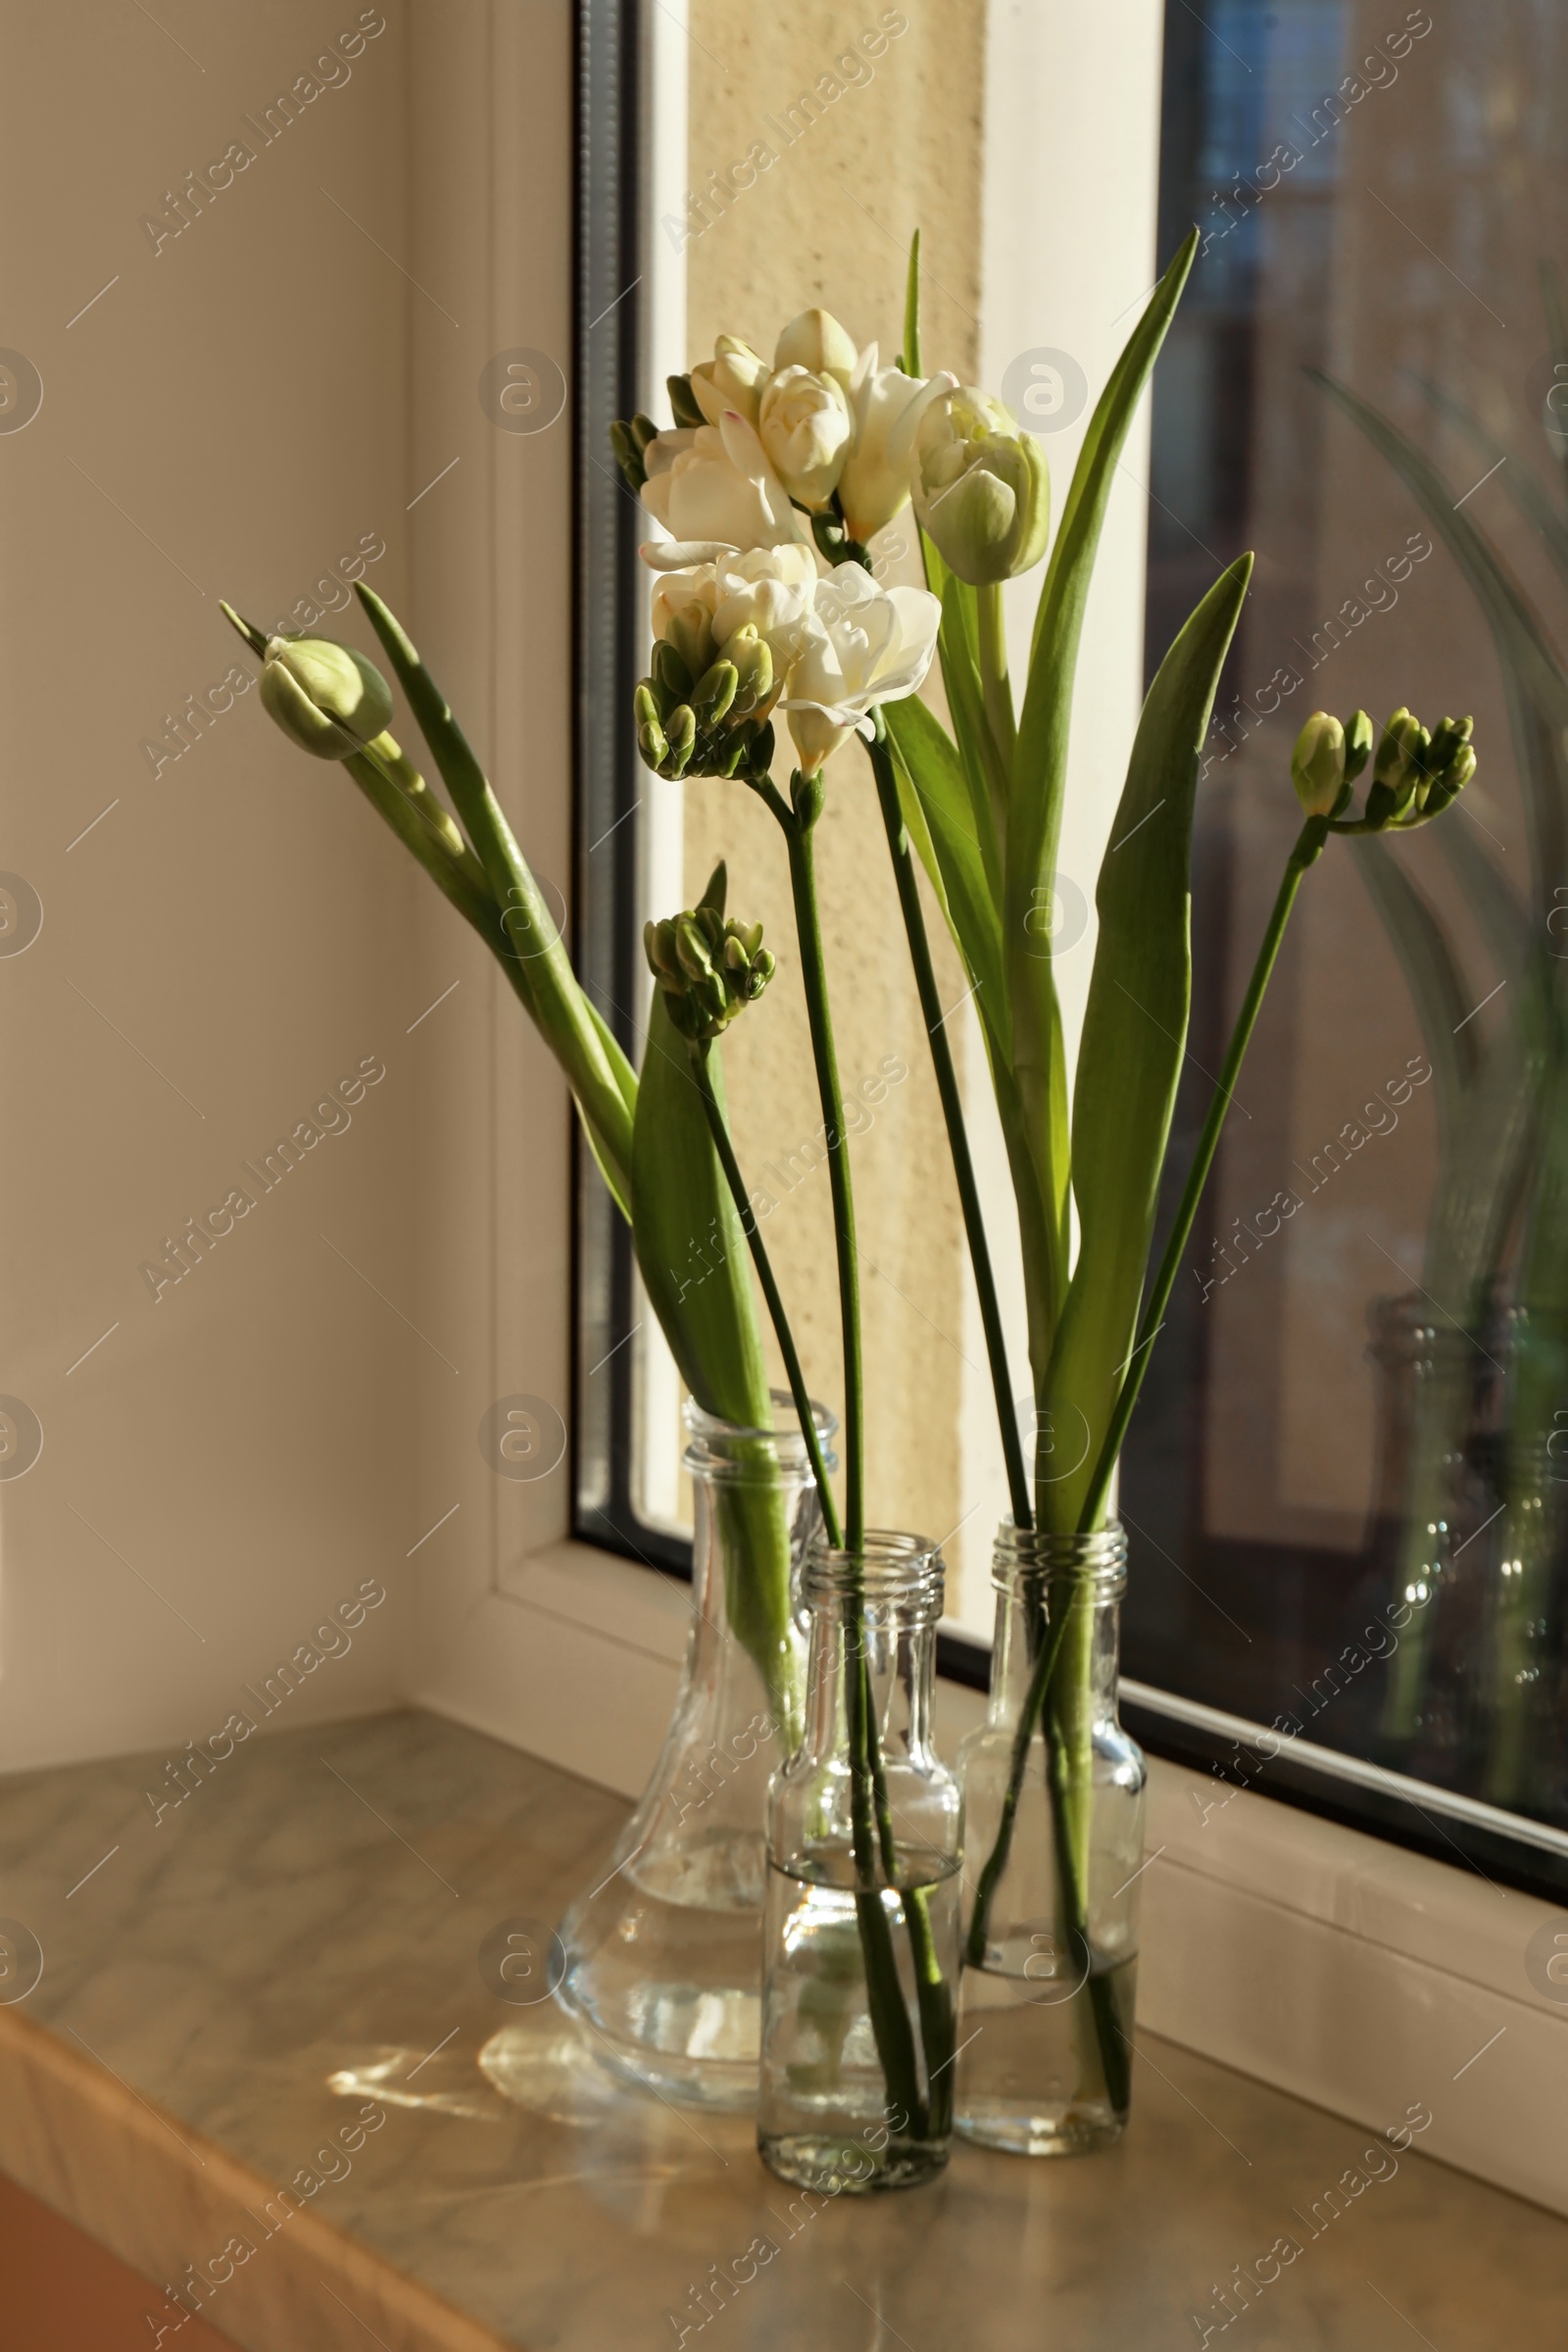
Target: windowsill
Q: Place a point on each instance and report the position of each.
(1328, 1963)
(171, 2071)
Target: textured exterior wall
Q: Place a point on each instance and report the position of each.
(828, 220)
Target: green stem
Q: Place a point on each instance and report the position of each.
(1029, 1716)
(870, 1815)
(720, 1130)
(946, 1078)
(991, 632)
(1308, 847)
(798, 830)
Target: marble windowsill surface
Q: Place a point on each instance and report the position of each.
(313, 1916)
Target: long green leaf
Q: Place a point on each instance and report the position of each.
(1526, 490)
(985, 771)
(695, 1267)
(596, 1068)
(1039, 762)
(1492, 898)
(1133, 1039)
(1438, 983)
(690, 1246)
(924, 751)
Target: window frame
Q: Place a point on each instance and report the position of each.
(612, 268)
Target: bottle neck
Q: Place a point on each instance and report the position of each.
(742, 1477)
(1041, 1580)
(873, 1613)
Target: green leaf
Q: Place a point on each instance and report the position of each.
(596, 1068)
(695, 1267)
(1525, 488)
(924, 756)
(1440, 987)
(1492, 899)
(911, 358)
(1040, 760)
(1134, 1041)
(690, 1246)
(984, 774)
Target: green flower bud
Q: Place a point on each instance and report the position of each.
(981, 488)
(753, 658)
(629, 441)
(1455, 775)
(1358, 734)
(1317, 765)
(1448, 737)
(690, 633)
(1396, 749)
(327, 698)
(709, 969)
(670, 672)
(681, 730)
(714, 692)
(1396, 770)
(683, 403)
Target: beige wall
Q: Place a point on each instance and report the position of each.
(231, 414)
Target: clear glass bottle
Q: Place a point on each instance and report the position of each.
(862, 1932)
(663, 1952)
(1051, 1950)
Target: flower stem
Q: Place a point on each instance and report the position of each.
(947, 1079)
(798, 830)
(1308, 847)
(722, 1145)
(870, 1815)
(997, 688)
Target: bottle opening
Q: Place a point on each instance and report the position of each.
(731, 1448)
(1098, 1559)
(891, 1567)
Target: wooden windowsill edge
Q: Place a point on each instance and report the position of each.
(149, 2188)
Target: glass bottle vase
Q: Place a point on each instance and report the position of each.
(861, 1931)
(663, 1952)
(1053, 1800)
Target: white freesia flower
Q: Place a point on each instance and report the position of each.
(816, 342)
(713, 484)
(769, 588)
(860, 645)
(803, 424)
(887, 407)
(733, 378)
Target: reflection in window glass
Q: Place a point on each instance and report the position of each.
(1347, 1485)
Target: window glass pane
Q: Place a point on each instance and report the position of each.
(1350, 1443)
